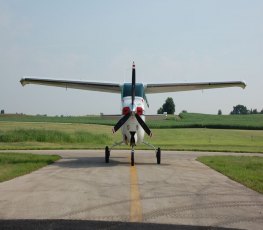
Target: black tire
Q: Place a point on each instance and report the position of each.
(107, 154)
(158, 156)
(132, 158)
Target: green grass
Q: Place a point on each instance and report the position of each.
(195, 120)
(184, 120)
(56, 119)
(208, 140)
(17, 164)
(52, 136)
(246, 170)
(26, 135)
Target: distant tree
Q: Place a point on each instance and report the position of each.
(168, 107)
(261, 111)
(219, 112)
(240, 109)
(254, 111)
(160, 111)
(2, 111)
(184, 111)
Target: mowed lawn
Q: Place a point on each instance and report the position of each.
(18, 164)
(202, 139)
(32, 135)
(247, 170)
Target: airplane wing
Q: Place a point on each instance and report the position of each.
(94, 86)
(176, 87)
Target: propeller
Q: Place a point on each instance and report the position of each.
(133, 85)
(122, 121)
(143, 124)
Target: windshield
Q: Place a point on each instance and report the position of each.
(126, 90)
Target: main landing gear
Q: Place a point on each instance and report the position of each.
(107, 154)
(158, 154)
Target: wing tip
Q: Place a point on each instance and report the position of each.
(243, 84)
(23, 81)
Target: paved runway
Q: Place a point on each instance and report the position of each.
(179, 192)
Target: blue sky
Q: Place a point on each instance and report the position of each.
(170, 41)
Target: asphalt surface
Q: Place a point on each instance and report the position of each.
(80, 191)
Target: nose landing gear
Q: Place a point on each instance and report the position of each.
(158, 156)
(132, 157)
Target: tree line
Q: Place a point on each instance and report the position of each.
(169, 108)
(241, 109)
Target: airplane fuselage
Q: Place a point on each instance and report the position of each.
(132, 126)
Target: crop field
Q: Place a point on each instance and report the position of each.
(184, 120)
(195, 120)
(47, 135)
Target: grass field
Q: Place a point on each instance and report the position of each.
(186, 132)
(26, 135)
(184, 120)
(18, 164)
(195, 120)
(33, 135)
(243, 169)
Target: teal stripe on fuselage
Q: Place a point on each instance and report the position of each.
(126, 90)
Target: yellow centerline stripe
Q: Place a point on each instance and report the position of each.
(136, 207)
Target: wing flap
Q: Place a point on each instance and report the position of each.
(176, 87)
(93, 86)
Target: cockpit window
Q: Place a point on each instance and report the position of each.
(139, 90)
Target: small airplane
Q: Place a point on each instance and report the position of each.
(133, 99)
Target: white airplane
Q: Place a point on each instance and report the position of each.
(133, 99)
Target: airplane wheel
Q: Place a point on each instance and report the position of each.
(132, 158)
(158, 156)
(107, 154)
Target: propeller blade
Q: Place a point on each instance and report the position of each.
(133, 84)
(121, 122)
(143, 125)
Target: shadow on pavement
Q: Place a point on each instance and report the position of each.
(88, 224)
(89, 162)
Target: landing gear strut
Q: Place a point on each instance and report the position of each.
(108, 149)
(158, 151)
